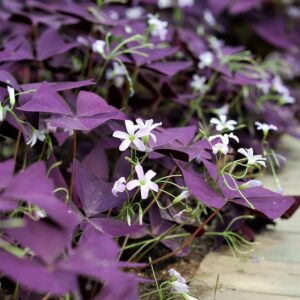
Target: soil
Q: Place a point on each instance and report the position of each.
(186, 266)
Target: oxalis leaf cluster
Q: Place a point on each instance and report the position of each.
(130, 126)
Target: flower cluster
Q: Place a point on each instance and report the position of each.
(137, 135)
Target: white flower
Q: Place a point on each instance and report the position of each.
(222, 123)
(265, 127)
(157, 27)
(279, 87)
(288, 99)
(209, 18)
(252, 159)
(36, 135)
(98, 47)
(119, 186)
(134, 12)
(198, 84)
(177, 275)
(164, 3)
(185, 3)
(205, 59)
(223, 110)
(131, 137)
(12, 96)
(128, 29)
(223, 145)
(117, 73)
(250, 184)
(178, 283)
(264, 85)
(146, 128)
(293, 12)
(114, 15)
(179, 287)
(143, 181)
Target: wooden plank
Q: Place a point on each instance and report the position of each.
(289, 175)
(290, 225)
(227, 294)
(264, 276)
(278, 246)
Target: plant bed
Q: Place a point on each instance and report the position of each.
(134, 136)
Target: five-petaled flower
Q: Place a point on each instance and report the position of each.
(205, 59)
(36, 135)
(131, 137)
(146, 128)
(157, 27)
(144, 182)
(178, 283)
(117, 73)
(223, 145)
(252, 159)
(222, 123)
(119, 186)
(198, 84)
(98, 47)
(265, 127)
(281, 89)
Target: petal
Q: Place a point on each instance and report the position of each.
(144, 191)
(149, 123)
(139, 144)
(243, 151)
(223, 118)
(220, 127)
(215, 149)
(232, 136)
(153, 137)
(261, 162)
(122, 188)
(231, 122)
(139, 122)
(115, 191)
(122, 179)
(120, 135)
(152, 186)
(224, 149)
(225, 139)
(214, 121)
(250, 152)
(124, 145)
(213, 137)
(150, 174)
(130, 127)
(139, 171)
(142, 132)
(132, 184)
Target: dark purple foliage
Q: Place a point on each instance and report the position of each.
(59, 160)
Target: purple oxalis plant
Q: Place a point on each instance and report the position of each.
(127, 127)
